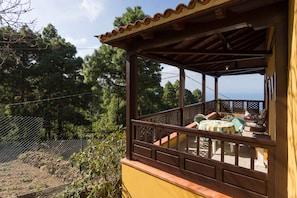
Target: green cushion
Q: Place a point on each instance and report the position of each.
(238, 124)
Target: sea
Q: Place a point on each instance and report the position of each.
(237, 96)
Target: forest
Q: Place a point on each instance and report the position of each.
(42, 76)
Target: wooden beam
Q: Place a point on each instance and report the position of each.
(223, 61)
(147, 35)
(229, 73)
(160, 59)
(220, 13)
(227, 45)
(179, 26)
(258, 18)
(260, 53)
(254, 68)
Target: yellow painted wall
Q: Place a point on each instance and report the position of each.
(138, 184)
(270, 70)
(292, 101)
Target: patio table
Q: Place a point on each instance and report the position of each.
(217, 126)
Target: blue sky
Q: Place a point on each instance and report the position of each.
(78, 21)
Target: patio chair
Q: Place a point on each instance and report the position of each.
(198, 118)
(256, 123)
(256, 118)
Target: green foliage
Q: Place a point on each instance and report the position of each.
(17, 62)
(198, 94)
(105, 71)
(171, 95)
(44, 69)
(100, 165)
(130, 16)
(45, 78)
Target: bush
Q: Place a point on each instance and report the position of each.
(100, 165)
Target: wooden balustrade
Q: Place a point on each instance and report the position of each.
(188, 152)
(171, 116)
(174, 116)
(240, 106)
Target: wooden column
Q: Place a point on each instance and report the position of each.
(203, 92)
(265, 105)
(131, 99)
(216, 88)
(181, 95)
(281, 68)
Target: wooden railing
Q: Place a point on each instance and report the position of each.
(159, 140)
(171, 116)
(190, 111)
(179, 150)
(240, 106)
(177, 117)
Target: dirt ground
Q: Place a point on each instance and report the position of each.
(36, 174)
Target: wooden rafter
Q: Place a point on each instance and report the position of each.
(253, 53)
(223, 61)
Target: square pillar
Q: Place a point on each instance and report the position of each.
(131, 99)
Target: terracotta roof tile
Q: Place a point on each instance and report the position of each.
(157, 18)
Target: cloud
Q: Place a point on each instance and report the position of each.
(80, 41)
(83, 46)
(92, 8)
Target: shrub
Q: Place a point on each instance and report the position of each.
(100, 165)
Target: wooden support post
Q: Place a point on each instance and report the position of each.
(203, 92)
(216, 87)
(131, 99)
(281, 117)
(181, 95)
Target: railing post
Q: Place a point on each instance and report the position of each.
(271, 173)
(219, 105)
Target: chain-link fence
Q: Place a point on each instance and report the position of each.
(21, 134)
(64, 148)
(18, 135)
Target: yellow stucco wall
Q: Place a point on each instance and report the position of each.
(270, 101)
(137, 184)
(292, 101)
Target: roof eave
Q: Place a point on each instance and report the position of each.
(168, 17)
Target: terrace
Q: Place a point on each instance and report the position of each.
(157, 140)
(214, 38)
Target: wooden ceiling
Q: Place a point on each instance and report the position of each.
(229, 38)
